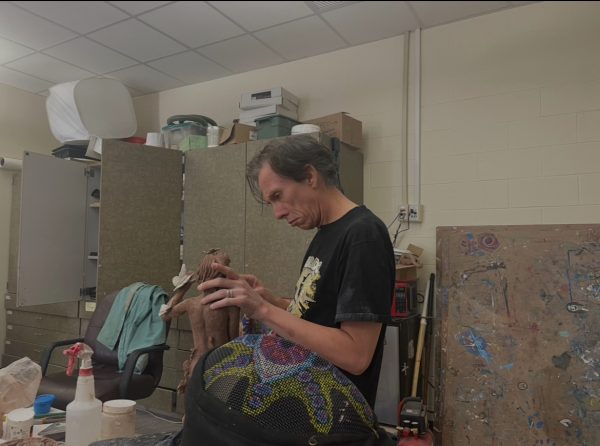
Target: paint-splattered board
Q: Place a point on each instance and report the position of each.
(519, 331)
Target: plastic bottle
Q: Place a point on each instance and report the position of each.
(84, 413)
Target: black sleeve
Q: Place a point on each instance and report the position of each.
(367, 277)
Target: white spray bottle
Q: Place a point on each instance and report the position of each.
(84, 413)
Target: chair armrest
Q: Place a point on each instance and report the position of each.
(130, 365)
(45, 359)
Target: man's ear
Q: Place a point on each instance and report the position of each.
(312, 176)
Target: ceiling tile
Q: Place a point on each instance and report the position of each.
(437, 13)
(190, 67)
(48, 68)
(81, 17)
(192, 23)
(90, 56)
(257, 15)
(11, 51)
(137, 7)
(369, 21)
(137, 40)
(302, 38)
(145, 79)
(134, 92)
(25, 28)
(22, 81)
(241, 54)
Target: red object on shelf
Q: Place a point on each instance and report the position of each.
(136, 139)
(421, 440)
(404, 298)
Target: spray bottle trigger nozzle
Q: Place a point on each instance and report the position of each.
(72, 352)
(78, 350)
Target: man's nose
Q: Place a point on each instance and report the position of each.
(279, 211)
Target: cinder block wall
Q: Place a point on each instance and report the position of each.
(510, 120)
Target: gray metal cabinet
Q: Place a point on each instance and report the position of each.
(63, 240)
(42, 320)
(13, 243)
(52, 230)
(72, 244)
(140, 216)
(214, 204)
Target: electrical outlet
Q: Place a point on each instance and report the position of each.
(402, 213)
(413, 212)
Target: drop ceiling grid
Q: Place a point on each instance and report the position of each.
(154, 46)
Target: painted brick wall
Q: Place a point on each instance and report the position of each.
(510, 120)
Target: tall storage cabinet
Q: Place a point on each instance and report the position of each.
(130, 233)
(30, 329)
(91, 229)
(140, 216)
(139, 221)
(214, 205)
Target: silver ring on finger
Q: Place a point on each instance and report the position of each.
(230, 293)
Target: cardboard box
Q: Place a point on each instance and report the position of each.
(340, 125)
(264, 97)
(409, 272)
(416, 250)
(236, 134)
(406, 272)
(277, 100)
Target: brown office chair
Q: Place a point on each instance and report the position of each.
(109, 382)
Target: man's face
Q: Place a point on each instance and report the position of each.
(291, 200)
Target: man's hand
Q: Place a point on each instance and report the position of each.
(254, 283)
(234, 289)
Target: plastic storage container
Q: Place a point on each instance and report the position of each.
(274, 126)
(118, 419)
(185, 132)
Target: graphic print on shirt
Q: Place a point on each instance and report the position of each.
(306, 286)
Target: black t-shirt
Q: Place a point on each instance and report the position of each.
(348, 275)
